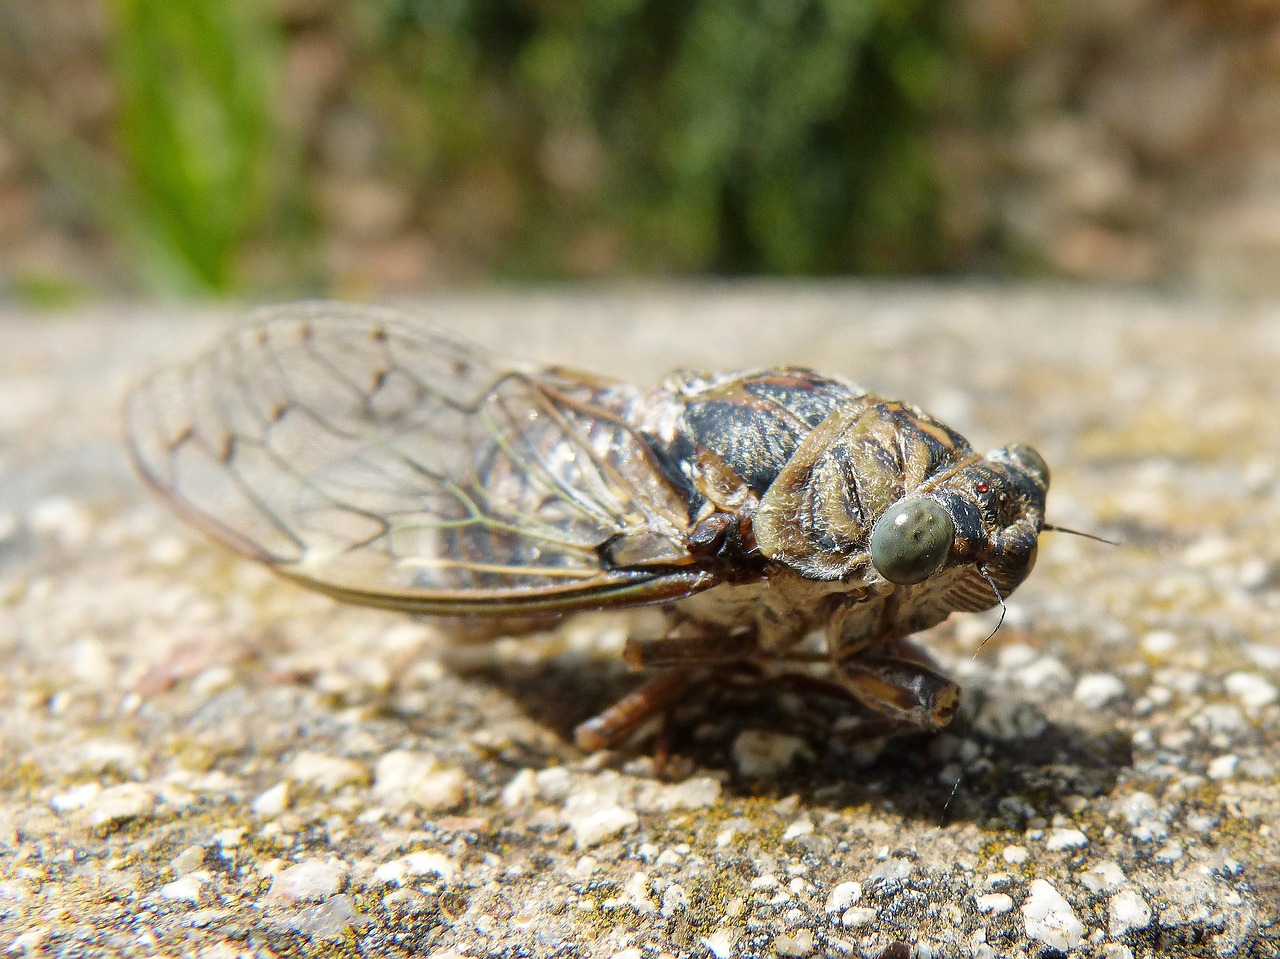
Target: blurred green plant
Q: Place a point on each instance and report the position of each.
(198, 144)
(736, 136)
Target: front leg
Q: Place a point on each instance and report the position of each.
(900, 682)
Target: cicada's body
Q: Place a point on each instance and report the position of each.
(383, 464)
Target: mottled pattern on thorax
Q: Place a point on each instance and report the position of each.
(752, 421)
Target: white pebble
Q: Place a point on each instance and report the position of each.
(674, 899)
(188, 861)
(721, 943)
(554, 783)
(892, 869)
(326, 773)
(310, 880)
(1065, 839)
(1158, 643)
(405, 778)
(417, 864)
(801, 827)
(187, 889)
(1252, 690)
(62, 520)
(1096, 690)
(1115, 950)
(796, 943)
(77, 797)
(1127, 910)
(521, 790)
(759, 754)
(1045, 675)
(697, 792)
(601, 824)
(843, 896)
(1224, 767)
(120, 804)
(272, 802)
(994, 904)
(1136, 807)
(1102, 876)
(1015, 855)
(857, 916)
(1049, 918)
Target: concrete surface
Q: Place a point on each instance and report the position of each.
(199, 759)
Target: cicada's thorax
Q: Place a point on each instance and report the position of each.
(788, 472)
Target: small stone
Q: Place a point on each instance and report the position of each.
(554, 783)
(892, 869)
(1127, 910)
(1170, 852)
(994, 903)
(1045, 675)
(408, 902)
(521, 790)
(1136, 807)
(62, 520)
(595, 827)
(1251, 690)
(229, 838)
(843, 896)
(674, 899)
(75, 798)
(120, 804)
(310, 880)
(187, 861)
(1096, 690)
(1102, 876)
(1159, 643)
(417, 864)
(857, 916)
(331, 920)
(1224, 767)
(758, 754)
(1049, 918)
(801, 827)
(798, 942)
(187, 889)
(416, 779)
(697, 792)
(1115, 950)
(1015, 855)
(326, 773)
(273, 802)
(1065, 839)
(721, 943)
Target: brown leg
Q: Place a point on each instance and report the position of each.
(688, 646)
(655, 695)
(902, 689)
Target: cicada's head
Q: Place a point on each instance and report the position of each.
(881, 491)
(986, 515)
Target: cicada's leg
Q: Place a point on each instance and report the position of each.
(653, 696)
(687, 645)
(902, 685)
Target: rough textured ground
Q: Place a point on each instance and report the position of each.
(199, 759)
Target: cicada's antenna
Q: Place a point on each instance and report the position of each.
(1075, 532)
(1003, 608)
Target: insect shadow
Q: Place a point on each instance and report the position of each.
(966, 774)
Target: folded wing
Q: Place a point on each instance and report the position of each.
(367, 457)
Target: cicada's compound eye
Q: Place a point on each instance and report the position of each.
(912, 540)
(1029, 459)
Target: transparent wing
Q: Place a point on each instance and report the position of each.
(365, 456)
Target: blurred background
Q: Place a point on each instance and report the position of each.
(286, 147)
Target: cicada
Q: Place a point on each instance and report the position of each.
(356, 452)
